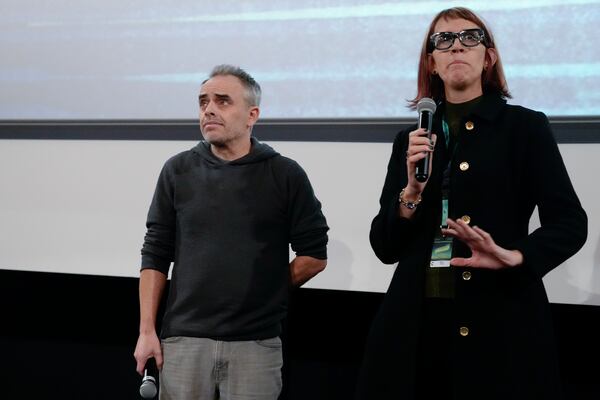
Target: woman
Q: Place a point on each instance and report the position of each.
(466, 314)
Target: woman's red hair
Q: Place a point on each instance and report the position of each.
(430, 85)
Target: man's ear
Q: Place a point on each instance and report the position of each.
(253, 114)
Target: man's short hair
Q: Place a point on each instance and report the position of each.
(253, 91)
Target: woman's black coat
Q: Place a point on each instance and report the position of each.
(513, 165)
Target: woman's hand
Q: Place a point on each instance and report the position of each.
(419, 145)
(485, 252)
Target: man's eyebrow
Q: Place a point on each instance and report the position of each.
(217, 95)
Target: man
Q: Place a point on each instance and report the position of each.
(225, 212)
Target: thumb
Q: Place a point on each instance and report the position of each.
(460, 262)
(158, 357)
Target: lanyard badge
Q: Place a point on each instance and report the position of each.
(441, 252)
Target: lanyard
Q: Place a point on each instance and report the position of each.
(441, 251)
(443, 223)
(446, 130)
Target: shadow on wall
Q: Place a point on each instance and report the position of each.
(338, 274)
(594, 295)
(577, 280)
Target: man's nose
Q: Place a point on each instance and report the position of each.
(209, 108)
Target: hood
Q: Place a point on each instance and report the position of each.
(258, 152)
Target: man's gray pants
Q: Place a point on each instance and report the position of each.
(206, 369)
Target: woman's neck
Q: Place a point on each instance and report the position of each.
(462, 96)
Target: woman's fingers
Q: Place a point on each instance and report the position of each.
(419, 144)
(464, 232)
(414, 157)
(486, 236)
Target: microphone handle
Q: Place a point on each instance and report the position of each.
(422, 167)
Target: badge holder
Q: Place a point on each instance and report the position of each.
(441, 252)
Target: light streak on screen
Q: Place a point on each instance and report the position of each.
(314, 59)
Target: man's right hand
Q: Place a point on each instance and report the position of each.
(148, 346)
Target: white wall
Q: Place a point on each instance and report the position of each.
(80, 207)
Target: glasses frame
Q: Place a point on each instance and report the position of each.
(459, 35)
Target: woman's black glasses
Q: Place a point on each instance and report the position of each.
(468, 38)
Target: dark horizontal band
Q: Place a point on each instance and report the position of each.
(566, 130)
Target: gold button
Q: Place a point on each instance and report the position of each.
(469, 125)
(466, 219)
(464, 166)
(464, 331)
(466, 275)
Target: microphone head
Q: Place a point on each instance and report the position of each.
(426, 104)
(148, 387)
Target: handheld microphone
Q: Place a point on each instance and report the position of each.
(148, 387)
(425, 107)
